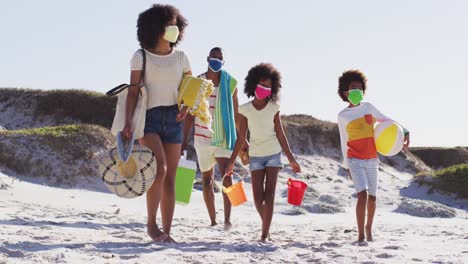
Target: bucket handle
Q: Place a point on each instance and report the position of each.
(222, 179)
(300, 176)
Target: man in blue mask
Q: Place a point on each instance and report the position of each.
(206, 137)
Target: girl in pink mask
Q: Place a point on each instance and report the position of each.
(267, 139)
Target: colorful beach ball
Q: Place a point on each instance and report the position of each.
(132, 178)
(389, 138)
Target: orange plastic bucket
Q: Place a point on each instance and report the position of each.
(235, 193)
(296, 190)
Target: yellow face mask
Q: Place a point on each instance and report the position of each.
(172, 33)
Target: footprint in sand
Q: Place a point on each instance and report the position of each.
(360, 243)
(385, 255)
(12, 253)
(330, 245)
(393, 247)
(127, 257)
(41, 237)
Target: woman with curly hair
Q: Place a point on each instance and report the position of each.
(356, 126)
(159, 30)
(267, 139)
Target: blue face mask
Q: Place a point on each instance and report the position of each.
(215, 64)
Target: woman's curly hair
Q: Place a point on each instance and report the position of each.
(152, 23)
(260, 72)
(347, 78)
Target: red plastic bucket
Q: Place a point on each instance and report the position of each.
(296, 190)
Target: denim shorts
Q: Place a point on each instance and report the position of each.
(260, 163)
(161, 120)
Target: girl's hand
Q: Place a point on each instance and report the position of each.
(182, 114)
(407, 141)
(229, 169)
(295, 166)
(127, 132)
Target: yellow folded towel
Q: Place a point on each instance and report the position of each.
(194, 93)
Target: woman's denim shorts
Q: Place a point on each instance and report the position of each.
(260, 163)
(161, 120)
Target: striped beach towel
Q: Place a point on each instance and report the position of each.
(224, 125)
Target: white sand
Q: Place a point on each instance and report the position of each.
(43, 224)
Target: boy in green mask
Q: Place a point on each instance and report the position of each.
(360, 159)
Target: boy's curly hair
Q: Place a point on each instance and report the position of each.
(260, 72)
(152, 23)
(347, 78)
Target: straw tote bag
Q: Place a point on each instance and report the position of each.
(139, 115)
(131, 178)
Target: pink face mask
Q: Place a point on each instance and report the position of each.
(262, 92)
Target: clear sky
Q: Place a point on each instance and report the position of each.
(414, 53)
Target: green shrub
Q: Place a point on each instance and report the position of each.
(453, 179)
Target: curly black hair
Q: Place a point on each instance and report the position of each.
(347, 78)
(260, 72)
(152, 23)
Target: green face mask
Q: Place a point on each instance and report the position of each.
(355, 96)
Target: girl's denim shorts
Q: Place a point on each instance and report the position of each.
(260, 163)
(161, 120)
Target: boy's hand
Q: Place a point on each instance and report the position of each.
(407, 141)
(245, 146)
(295, 166)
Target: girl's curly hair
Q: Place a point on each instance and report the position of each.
(347, 78)
(260, 72)
(152, 23)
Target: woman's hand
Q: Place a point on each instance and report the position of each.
(182, 114)
(127, 132)
(183, 148)
(229, 169)
(295, 166)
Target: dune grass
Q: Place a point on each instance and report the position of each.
(37, 151)
(453, 179)
(57, 131)
(438, 158)
(78, 105)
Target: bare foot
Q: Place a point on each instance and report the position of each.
(369, 234)
(360, 237)
(169, 239)
(213, 223)
(263, 239)
(227, 225)
(155, 233)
